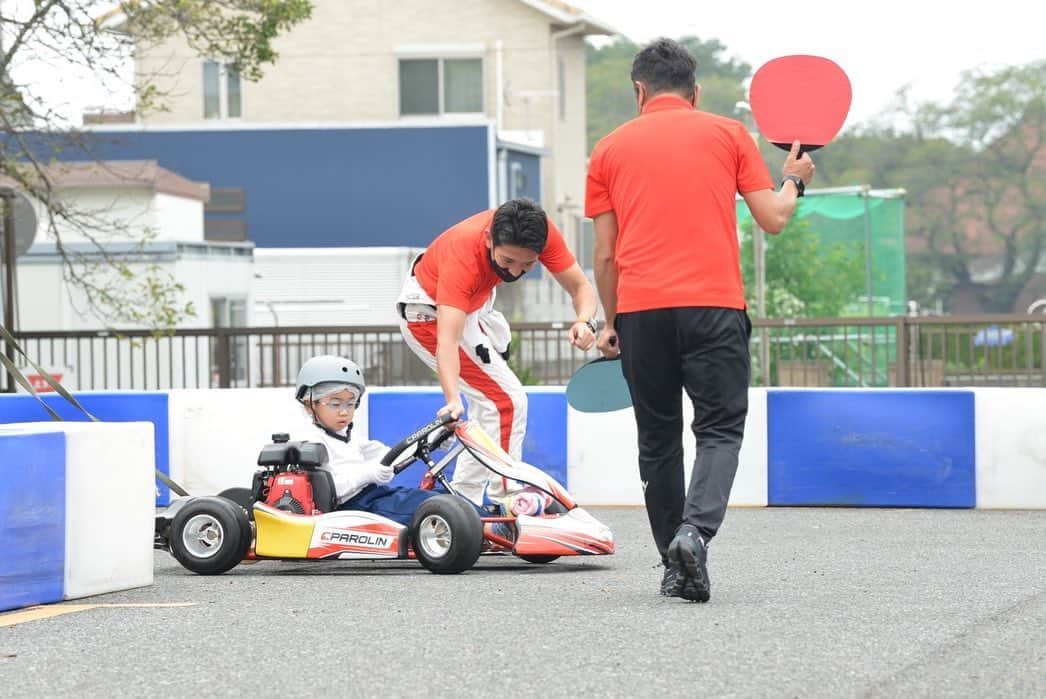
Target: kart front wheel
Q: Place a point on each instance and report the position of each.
(210, 535)
(447, 538)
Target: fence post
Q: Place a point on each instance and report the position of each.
(222, 357)
(276, 379)
(901, 323)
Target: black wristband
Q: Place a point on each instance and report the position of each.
(800, 186)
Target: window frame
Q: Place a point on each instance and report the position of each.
(223, 92)
(441, 54)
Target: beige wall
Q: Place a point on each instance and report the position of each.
(341, 66)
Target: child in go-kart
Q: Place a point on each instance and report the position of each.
(330, 389)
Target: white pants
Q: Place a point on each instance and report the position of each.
(496, 400)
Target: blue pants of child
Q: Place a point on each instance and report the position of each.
(394, 502)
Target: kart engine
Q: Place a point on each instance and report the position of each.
(291, 477)
(291, 491)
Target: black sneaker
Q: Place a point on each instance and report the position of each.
(688, 553)
(670, 581)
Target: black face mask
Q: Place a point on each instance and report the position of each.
(506, 276)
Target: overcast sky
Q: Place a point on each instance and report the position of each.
(881, 45)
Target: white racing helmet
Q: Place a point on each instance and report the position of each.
(328, 374)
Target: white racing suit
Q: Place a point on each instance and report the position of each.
(496, 399)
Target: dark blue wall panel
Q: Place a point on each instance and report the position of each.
(110, 406)
(32, 519)
(392, 416)
(325, 187)
(545, 445)
(871, 448)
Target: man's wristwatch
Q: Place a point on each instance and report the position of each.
(591, 323)
(800, 186)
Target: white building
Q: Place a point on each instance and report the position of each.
(113, 207)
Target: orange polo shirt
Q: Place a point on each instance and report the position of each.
(671, 176)
(455, 269)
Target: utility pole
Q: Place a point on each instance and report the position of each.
(9, 277)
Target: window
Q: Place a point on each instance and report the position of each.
(441, 86)
(225, 200)
(517, 184)
(228, 312)
(222, 91)
(222, 230)
(229, 357)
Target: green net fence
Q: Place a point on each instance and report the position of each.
(874, 221)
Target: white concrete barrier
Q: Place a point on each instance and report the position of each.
(603, 456)
(110, 497)
(1011, 448)
(216, 435)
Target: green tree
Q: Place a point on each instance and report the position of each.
(805, 277)
(994, 193)
(611, 98)
(974, 169)
(71, 36)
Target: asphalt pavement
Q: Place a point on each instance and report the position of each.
(805, 603)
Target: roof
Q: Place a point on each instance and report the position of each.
(125, 174)
(570, 16)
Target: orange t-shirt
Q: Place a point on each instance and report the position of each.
(455, 269)
(671, 176)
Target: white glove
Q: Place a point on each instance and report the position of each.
(379, 473)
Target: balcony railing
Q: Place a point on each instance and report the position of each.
(1003, 350)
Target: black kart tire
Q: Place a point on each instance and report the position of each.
(241, 496)
(447, 538)
(210, 535)
(468, 509)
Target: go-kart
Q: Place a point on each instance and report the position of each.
(289, 513)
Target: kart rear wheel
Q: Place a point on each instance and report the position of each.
(446, 537)
(210, 535)
(533, 558)
(241, 496)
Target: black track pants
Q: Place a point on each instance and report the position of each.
(703, 351)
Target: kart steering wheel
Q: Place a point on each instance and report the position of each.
(419, 439)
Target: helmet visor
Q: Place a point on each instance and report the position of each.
(329, 388)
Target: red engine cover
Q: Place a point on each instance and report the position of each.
(291, 492)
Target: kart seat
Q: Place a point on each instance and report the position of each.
(323, 495)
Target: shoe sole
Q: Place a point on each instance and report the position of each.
(693, 585)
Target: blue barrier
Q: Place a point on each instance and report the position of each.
(32, 519)
(110, 406)
(871, 448)
(394, 415)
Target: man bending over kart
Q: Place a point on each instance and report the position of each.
(447, 318)
(331, 388)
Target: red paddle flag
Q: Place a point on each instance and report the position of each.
(804, 98)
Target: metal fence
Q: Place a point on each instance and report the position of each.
(1004, 350)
